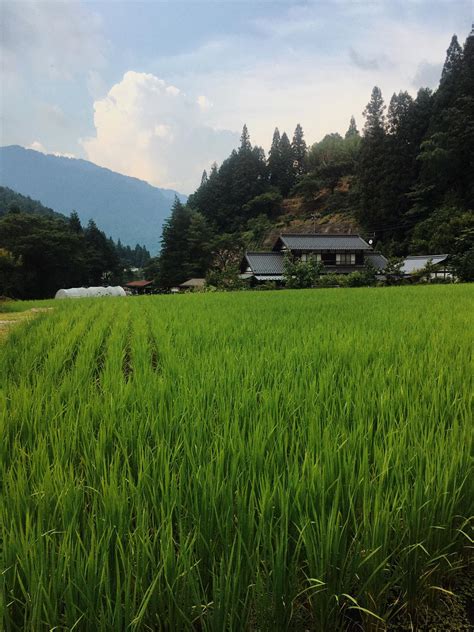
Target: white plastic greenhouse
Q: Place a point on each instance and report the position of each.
(85, 292)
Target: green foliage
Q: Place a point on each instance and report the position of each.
(151, 269)
(393, 270)
(200, 243)
(328, 161)
(299, 150)
(224, 273)
(370, 172)
(257, 229)
(226, 278)
(309, 186)
(218, 461)
(359, 278)
(463, 265)
(52, 254)
(332, 279)
(453, 62)
(12, 201)
(421, 158)
(52, 251)
(11, 282)
(242, 176)
(285, 161)
(268, 204)
(448, 230)
(352, 131)
(129, 257)
(302, 274)
(175, 256)
(102, 259)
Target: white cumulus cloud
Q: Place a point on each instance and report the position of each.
(203, 102)
(153, 131)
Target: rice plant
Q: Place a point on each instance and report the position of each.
(243, 461)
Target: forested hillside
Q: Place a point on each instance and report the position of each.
(11, 200)
(406, 181)
(42, 251)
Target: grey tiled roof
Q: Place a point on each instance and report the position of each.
(377, 260)
(324, 242)
(269, 277)
(265, 262)
(411, 264)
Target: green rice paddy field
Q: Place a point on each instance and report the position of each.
(244, 461)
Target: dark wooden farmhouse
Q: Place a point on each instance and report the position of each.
(338, 253)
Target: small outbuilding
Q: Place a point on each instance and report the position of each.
(415, 263)
(90, 292)
(192, 284)
(140, 287)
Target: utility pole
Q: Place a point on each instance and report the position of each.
(314, 217)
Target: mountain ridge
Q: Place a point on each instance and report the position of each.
(125, 207)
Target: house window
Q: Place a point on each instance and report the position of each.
(345, 258)
(314, 255)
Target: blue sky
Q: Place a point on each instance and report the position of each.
(159, 90)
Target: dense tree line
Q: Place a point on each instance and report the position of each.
(415, 169)
(407, 179)
(42, 251)
(129, 257)
(234, 206)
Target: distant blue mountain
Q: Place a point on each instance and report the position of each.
(124, 208)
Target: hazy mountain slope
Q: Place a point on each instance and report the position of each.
(123, 207)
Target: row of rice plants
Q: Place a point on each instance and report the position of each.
(231, 462)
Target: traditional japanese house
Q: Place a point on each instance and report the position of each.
(338, 253)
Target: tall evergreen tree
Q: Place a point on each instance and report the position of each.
(447, 152)
(102, 259)
(247, 177)
(299, 149)
(399, 111)
(374, 114)
(371, 166)
(287, 175)
(200, 238)
(75, 222)
(398, 165)
(281, 163)
(352, 130)
(245, 144)
(274, 158)
(174, 256)
(453, 59)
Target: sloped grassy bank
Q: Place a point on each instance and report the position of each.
(279, 460)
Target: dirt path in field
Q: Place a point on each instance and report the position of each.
(8, 320)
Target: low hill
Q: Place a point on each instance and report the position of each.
(11, 199)
(124, 207)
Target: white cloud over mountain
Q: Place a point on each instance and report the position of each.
(151, 130)
(204, 71)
